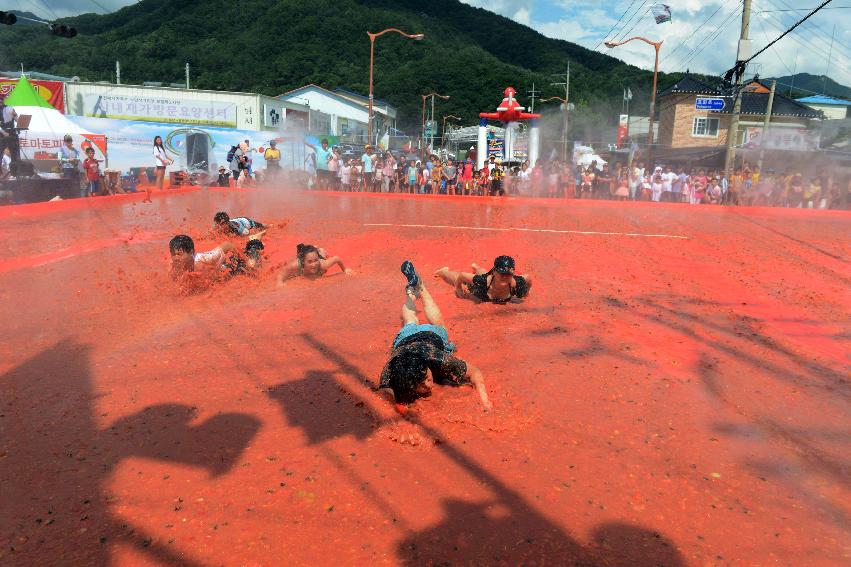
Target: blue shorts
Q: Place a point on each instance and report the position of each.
(413, 329)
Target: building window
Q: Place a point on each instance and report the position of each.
(705, 127)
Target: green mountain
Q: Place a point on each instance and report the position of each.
(804, 84)
(271, 47)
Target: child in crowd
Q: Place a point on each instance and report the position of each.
(436, 176)
(424, 179)
(357, 175)
(346, 175)
(6, 163)
(92, 167)
(587, 187)
(553, 179)
(656, 186)
(622, 191)
(412, 176)
(713, 192)
(224, 177)
(467, 177)
(241, 226)
(483, 183)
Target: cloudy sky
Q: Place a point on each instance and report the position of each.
(702, 37)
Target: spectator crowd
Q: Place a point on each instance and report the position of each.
(384, 171)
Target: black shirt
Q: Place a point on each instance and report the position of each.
(410, 359)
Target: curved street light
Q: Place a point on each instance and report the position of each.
(445, 118)
(424, 97)
(656, 45)
(372, 36)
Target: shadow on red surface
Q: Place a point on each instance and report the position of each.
(64, 516)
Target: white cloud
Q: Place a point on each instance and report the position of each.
(694, 40)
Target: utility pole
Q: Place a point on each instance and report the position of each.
(765, 125)
(533, 94)
(117, 73)
(187, 76)
(743, 54)
(829, 56)
(566, 85)
(433, 125)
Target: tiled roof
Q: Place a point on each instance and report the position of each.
(689, 85)
(821, 99)
(757, 104)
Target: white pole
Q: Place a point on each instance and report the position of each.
(534, 142)
(117, 73)
(482, 148)
(187, 76)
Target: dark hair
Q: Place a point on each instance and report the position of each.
(324, 141)
(181, 242)
(160, 145)
(90, 149)
(221, 217)
(253, 248)
(406, 371)
(303, 250)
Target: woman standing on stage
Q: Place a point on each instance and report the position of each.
(161, 160)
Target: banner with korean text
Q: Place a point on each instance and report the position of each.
(52, 91)
(164, 110)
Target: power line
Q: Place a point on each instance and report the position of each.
(810, 46)
(698, 49)
(787, 32)
(693, 34)
(614, 26)
(814, 24)
(622, 36)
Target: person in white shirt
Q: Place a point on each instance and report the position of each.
(6, 163)
(346, 175)
(636, 181)
(668, 178)
(161, 161)
(194, 271)
(69, 159)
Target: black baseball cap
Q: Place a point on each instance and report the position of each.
(504, 265)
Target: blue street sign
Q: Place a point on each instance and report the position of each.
(703, 103)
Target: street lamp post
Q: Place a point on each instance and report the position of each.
(656, 45)
(425, 97)
(372, 36)
(443, 137)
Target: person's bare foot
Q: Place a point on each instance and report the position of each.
(441, 271)
(475, 268)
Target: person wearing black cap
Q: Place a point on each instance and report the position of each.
(499, 285)
(422, 354)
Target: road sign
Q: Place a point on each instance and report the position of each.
(703, 103)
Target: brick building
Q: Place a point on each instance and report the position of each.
(687, 134)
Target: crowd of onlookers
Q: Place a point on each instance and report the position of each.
(384, 171)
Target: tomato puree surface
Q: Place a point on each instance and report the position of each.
(674, 391)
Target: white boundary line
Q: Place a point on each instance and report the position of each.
(530, 230)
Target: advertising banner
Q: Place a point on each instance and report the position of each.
(166, 109)
(790, 139)
(191, 147)
(496, 147)
(273, 115)
(623, 128)
(52, 91)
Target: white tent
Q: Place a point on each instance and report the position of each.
(43, 137)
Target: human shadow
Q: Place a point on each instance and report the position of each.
(57, 462)
(471, 532)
